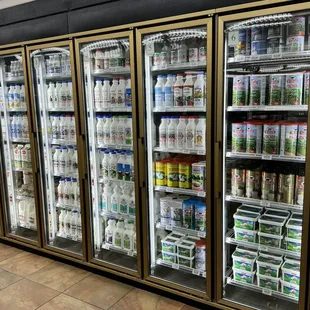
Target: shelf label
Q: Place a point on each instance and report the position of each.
(265, 203)
(267, 291)
(168, 227)
(278, 55)
(254, 57)
(106, 246)
(201, 194)
(175, 266)
(267, 157)
(263, 248)
(130, 253)
(201, 152)
(201, 234)
(186, 151)
(169, 190)
(233, 38)
(196, 272)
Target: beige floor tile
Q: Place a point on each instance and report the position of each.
(58, 276)
(25, 295)
(24, 264)
(7, 278)
(64, 302)
(141, 300)
(186, 307)
(99, 291)
(7, 251)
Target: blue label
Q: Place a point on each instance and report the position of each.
(168, 96)
(158, 97)
(128, 97)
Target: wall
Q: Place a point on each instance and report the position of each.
(46, 18)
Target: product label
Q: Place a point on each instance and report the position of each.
(168, 96)
(123, 206)
(127, 243)
(158, 97)
(190, 142)
(239, 91)
(193, 54)
(171, 137)
(117, 239)
(180, 139)
(188, 92)
(198, 96)
(128, 97)
(178, 96)
(114, 204)
(132, 208)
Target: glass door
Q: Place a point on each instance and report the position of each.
(107, 87)
(176, 111)
(263, 103)
(54, 98)
(17, 151)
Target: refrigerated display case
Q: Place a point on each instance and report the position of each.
(19, 185)
(174, 63)
(262, 159)
(106, 72)
(53, 94)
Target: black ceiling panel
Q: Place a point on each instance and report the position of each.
(76, 4)
(43, 27)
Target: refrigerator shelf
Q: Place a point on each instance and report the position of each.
(63, 142)
(108, 246)
(190, 232)
(60, 110)
(118, 215)
(12, 110)
(14, 79)
(23, 169)
(68, 237)
(121, 109)
(298, 159)
(262, 290)
(179, 109)
(193, 271)
(166, 150)
(20, 197)
(67, 207)
(265, 203)
(292, 108)
(115, 147)
(63, 175)
(58, 76)
(180, 66)
(20, 140)
(104, 180)
(270, 58)
(230, 239)
(176, 190)
(111, 72)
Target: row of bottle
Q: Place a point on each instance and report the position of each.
(117, 132)
(111, 96)
(172, 91)
(14, 97)
(60, 95)
(182, 132)
(58, 63)
(116, 164)
(18, 128)
(68, 192)
(62, 127)
(121, 235)
(14, 69)
(65, 160)
(105, 59)
(121, 200)
(69, 224)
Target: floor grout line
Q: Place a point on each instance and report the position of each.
(121, 298)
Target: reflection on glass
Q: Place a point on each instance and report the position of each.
(175, 85)
(265, 131)
(107, 90)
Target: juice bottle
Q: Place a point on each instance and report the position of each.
(178, 91)
(199, 91)
(188, 91)
(163, 132)
(172, 132)
(181, 133)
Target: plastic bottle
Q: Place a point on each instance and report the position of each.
(182, 53)
(132, 204)
(109, 231)
(17, 97)
(105, 164)
(72, 132)
(121, 93)
(127, 166)
(134, 237)
(98, 94)
(120, 139)
(55, 128)
(57, 99)
(106, 130)
(100, 126)
(193, 54)
(128, 102)
(188, 91)
(106, 93)
(74, 162)
(178, 91)
(63, 128)
(200, 134)
(22, 96)
(70, 154)
(67, 222)
(124, 201)
(202, 51)
(118, 235)
(73, 224)
(14, 127)
(63, 160)
(106, 199)
(72, 192)
(11, 97)
(113, 93)
(79, 227)
(199, 90)
(128, 237)
(115, 200)
(67, 192)
(25, 127)
(190, 133)
(50, 95)
(69, 102)
(169, 91)
(63, 95)
(159, 92)
(62, 216)
(113, 166)
(99, 60)
(128, 131)
(56, 160)
(120, 167)
(172, 132)
(181, 133)
(163, 128)
(18, 127)
(113, 130)
(60, 190)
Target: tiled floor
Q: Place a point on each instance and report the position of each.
(29, 281)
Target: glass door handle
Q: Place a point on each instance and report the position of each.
(141, 159)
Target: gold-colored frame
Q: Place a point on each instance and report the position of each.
(305, 263)
(29, 50)
(78, 42)
(31, 126)
(208, 22)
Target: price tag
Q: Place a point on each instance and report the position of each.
(160, 188)
(267, 291)
(233, 37)
(201, 234)
(185, 109)
(254, 57)
(201, 194)
(201, 152)
(278, 55)
(106, 246)
(265, 203)
(169, 190)
(186, 151)
(263, 248)
(267, 157)
(168, 227)
(196, 272)
(175, 266)
(130, 253)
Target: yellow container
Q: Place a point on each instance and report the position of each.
(172, 174)
(185, 175)
(161, 173)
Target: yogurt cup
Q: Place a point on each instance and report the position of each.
(294, 229)
(293, 245)
(268, 266)
(245, 235)
(268, 282)
(186, 261)
(278, 213)
(243, 260)
(244, 276)
(246, 220)
(251, 209)
(270, 240)
(168, 257)
(271, 224)
(290, 289)
(291, 272)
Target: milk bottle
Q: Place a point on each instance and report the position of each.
(124, 200)
(60, 190)
(14, 127)
(62, 221)
(63, 128)
(169, 91)
(73, 225)
(50, 95)
(158, 92)
(106, 199)
(113, 93)
(106, 130)
(113, 130)
(112, 165)
(118, 235)
(200, 134)
(121, 93)
(79, 227)
(178, 91)
(63, 95)
(106, 93)
(69, 95)
(109, 231)
(172, 131)
(190, 133)
(105, 164)
(74, 162)
(67, 222)
(98, 94)
(18, 127)
(100, 126)
(70, 154)
(11, 97)
(181, 133)
(115, 200)
(120, 139)
(120, 167)
(17, 97)
(128, 103)
(199, 90)
(63, 160)
(182, 53)
(128, 167)
(76, 192)
(72, 133)
(56, 158)
(67, 192)
(128, 131)
(22, 97)
(132, 204)
(57, 96)
(128, 237)
(163, 132)
(55, 128)
(188, 91)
